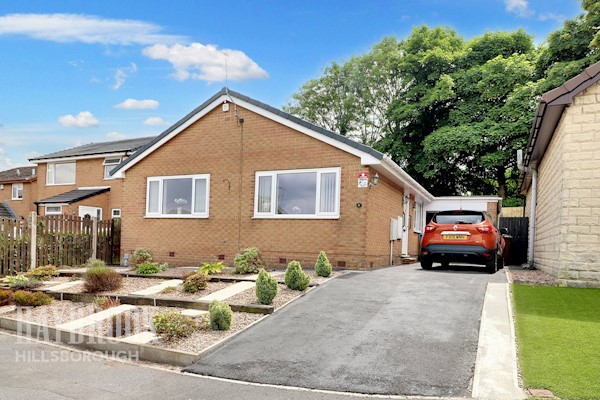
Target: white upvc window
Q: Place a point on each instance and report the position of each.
(300, 193)
(181, 196)
(116, 213)
(60, 173)
(109, 165)
(418, 221)
(53, 210)
(17, 191)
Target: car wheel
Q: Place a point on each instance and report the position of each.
(426, 264)
(492, 265)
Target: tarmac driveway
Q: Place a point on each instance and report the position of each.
(398, 330)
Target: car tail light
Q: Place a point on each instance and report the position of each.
(429, 228)
(485, 229)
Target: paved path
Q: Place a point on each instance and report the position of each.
(400, 330)
(28, 375)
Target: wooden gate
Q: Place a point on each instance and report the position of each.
(14, 246)
(518, 228)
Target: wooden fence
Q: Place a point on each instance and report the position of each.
(58, 240)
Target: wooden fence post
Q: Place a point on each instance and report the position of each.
(94, 237)
(33, 240)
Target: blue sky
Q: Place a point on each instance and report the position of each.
(76, 72)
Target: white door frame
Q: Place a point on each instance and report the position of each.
(406, 224)
(92, 211)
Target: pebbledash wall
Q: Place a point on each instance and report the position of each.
(567, 239)
(232, 153)
(89, 172)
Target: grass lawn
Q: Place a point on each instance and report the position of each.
(558, 335)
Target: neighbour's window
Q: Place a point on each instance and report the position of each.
(418, 222)
(109, 165)
(53, 210)
(116, 213)
(17, 191)
(60, 173)
(298, 194)
(184, 196)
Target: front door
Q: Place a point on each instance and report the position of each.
(92, 212)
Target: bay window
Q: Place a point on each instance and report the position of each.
(183, 196)
(306, 193)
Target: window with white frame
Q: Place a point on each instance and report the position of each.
(306, 193)
(60, 173)
(17, 191)
(183, 196)
(53, 210)
(109, 165)
(116, 213)
(418, 221)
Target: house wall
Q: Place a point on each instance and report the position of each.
(214, 145)
(21, 207)
(567, 240)
(88, 173)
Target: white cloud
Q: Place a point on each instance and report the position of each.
(133, 104)
(69, 28)
(155, 121)
(519, 7)
(206, 62)
(551, 16)
(5, 161)
(116, 136)
(121, 74)
(84, 119)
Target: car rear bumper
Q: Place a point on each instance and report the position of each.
(472, 254)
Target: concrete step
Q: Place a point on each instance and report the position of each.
(94, 318)
(193, 313)
(65, 285)
(230, 291)
(140, 338)
(158, 288)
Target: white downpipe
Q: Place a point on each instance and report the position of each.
(530, 254)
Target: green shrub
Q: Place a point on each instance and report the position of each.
(121, 325)
(95, 263)
(6, 297)
(220, 316)
(266, 287)
(141, 256)
(169, 289)
(148, 268)
(21, 281)
(248, 261)
(195, 282)
(295, 278)
(172, 325)
(101, 279)
(211, 268)
(323, 266)
(31, 299)
(43, 273)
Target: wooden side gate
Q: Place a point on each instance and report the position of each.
(518, 228)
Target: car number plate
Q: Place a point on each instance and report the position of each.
(455, 237)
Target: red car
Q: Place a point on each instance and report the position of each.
(465, 237)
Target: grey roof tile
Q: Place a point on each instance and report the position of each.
(73, 196)
(6, 211)
(18, 174)
(119, 146)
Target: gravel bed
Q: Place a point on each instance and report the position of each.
(180, 294)
(130, 285)
(533, 277)
(141, 321)
(55, 313)
(314, 279)
(206, 337)
(284, 294)
(57, 280)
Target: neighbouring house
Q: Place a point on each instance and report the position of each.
(18, 191)
(490, 204)
(236, 173)
(77, 181)
(562, 181)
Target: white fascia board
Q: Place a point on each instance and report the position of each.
(393, 171)
(38, 161)
(469, 198)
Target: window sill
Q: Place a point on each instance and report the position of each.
(176, 216)
(60, 184)
(296, 217)
(17, 199)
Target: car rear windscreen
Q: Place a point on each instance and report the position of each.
(458, 217)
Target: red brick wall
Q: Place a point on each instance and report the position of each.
(21, 207)
(212, 145)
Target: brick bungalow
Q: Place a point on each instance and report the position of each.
(77, 180)
(236, 173)
(562, 181)
(18, 191)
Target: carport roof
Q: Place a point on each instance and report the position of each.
(73, 196)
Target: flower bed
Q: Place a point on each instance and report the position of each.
(284, 295)
(130, 285)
